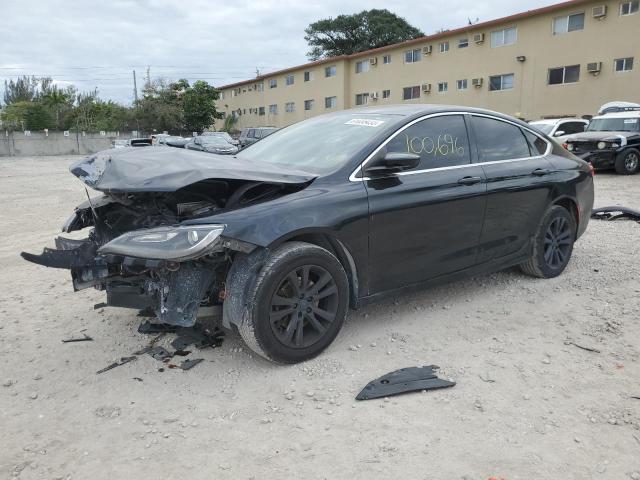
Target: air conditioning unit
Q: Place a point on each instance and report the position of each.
(476, 82)
(594, 67)
(427, 50)
(426, 87)
(373, 95)
(478, 37)
(373, 60)
(599, 11)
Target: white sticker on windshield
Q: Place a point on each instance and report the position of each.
(365, 122)
(630, 120)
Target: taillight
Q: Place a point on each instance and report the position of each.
(592, 170)
(564, 145)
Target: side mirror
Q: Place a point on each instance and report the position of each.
(558, 133)
(585, 127)
(394, 162)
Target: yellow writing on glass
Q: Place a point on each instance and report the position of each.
(444, 145)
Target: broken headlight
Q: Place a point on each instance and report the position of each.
(165, 243)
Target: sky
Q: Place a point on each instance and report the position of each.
(98, 44)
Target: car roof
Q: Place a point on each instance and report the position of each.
(627, 114)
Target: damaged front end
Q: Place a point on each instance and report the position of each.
(140, 248)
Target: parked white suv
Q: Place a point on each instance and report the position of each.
(561, 128)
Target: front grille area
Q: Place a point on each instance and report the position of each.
(581, 147)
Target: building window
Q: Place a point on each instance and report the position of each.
(560, 75)
(273, 83)
(330, 71)
(461, 84)
(259, 87)
(412, 56)
(362, 66)
(386, 59)
(444, 47)
(273, 109)
(386, 94)
(410, 93)
(330, 102)
(308, 76)
(261, 111)
(501, 82)
(443, 87)
(289, 80)
(308, 104)
(290, 107)
(568, 23)
(362, 98)
(500, 38)
(629, 8)
(624, 64)
(463, 43)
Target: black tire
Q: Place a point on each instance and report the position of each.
(280, 325)
(628, 162)
(552, 244)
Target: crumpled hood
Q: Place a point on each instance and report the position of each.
(599, 136)
(169, 169)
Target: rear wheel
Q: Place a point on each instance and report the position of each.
(552, 244)
(628, 162)
(298, 304)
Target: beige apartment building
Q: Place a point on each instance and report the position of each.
(562, 60)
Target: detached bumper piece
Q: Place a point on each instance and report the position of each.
(615, 213)
(79, 256)
(405, 380)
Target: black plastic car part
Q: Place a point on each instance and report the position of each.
(411, 379)
(614, 213)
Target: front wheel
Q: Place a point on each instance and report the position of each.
(552, 244)
(298, 303)
(628, 162)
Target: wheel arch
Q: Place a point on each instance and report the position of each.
(571, 205)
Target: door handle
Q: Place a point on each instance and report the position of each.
(541, 172)
(469, 180)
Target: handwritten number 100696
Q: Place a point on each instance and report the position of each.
(444, 145)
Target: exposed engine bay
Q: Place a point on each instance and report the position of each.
(139, 251)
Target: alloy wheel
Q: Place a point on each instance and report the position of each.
(303, 306)
(631, 162)
(557, 243)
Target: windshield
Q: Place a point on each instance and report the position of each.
(614, 125)
(543, 127)
(214, 140)
(320, 144)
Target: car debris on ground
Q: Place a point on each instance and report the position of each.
(84, 338)
(615, 213)
(405, 380)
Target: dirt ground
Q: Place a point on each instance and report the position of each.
(528, 403)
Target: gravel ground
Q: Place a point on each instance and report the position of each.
(528, 403)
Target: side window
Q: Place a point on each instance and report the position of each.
(440, 142)
(537, 145)
(251, 133)
(499, 140)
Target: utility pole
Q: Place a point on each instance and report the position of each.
(135, 88)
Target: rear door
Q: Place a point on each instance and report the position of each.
(427, 221)
(519, 184)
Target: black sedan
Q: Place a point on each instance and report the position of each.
(324, 215)
(211, 144)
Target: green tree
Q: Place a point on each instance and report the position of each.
(160, 108)
(24, 115)
(59, 102)
(347, 34)
(199, 105)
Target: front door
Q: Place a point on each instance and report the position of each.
(427, 221)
